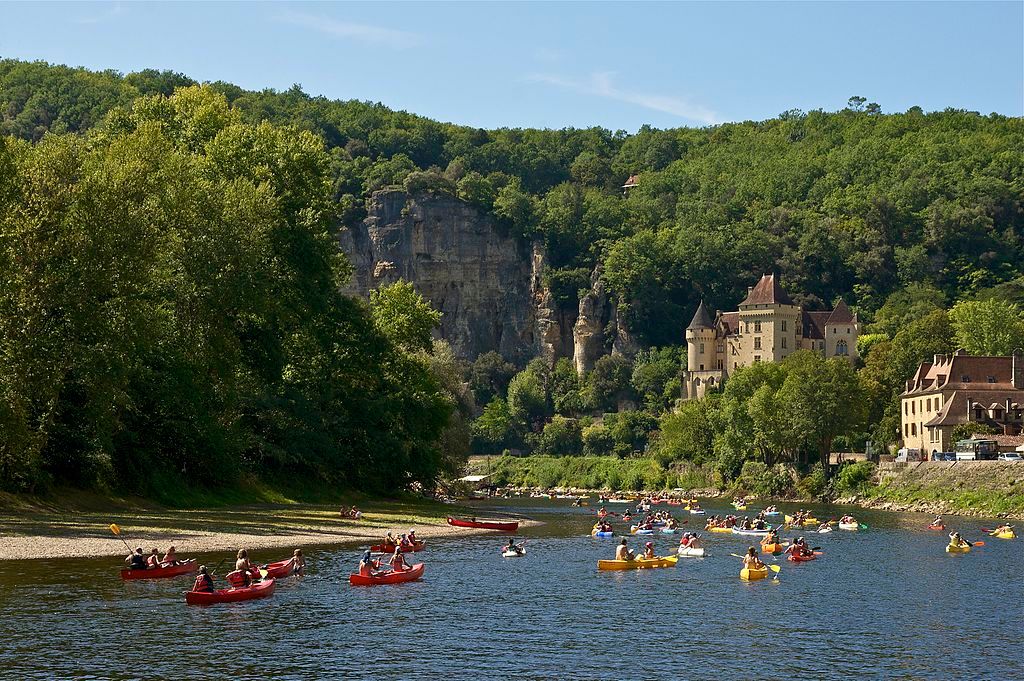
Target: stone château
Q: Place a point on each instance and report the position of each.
(767, 327)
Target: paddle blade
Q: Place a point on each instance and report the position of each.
(775, 568)
(978, 543)
(115, 529)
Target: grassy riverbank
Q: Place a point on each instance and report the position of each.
(982, 488)
(591, 472)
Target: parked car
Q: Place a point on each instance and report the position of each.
(1010, 456)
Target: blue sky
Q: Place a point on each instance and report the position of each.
(614, 64)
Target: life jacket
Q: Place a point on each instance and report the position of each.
(153, 561)
(236, 578)
(138, 562)
(203, 583)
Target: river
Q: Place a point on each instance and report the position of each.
(886, 602)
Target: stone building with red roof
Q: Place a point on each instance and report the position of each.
(961, 389)
(767, 327)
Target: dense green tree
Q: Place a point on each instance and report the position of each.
(489, 376)
(404, 316)
(988, 327)
(609, 382)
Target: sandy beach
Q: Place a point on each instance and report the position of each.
(64, 535)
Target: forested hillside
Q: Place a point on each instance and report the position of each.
(137, 346)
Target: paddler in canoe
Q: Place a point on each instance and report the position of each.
(137, 560)
(512, 546)
(958, 542)
(153, 561)
(367, 564)
(623, 552)
(249, 571)
(799, 548)
(751, 561)
(397, 561)
(649, 551)
(170, 558)
(691, 540)
(204, 582)
(1004, 528)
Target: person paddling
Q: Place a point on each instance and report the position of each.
(204, 582)
(649, 551)
(398, 561)
(751, 561)
(248, 570)
(622, 552)
(137, 560)
(170, 558)
(367, 564)
(512, 546)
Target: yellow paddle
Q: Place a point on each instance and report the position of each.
(117, 533)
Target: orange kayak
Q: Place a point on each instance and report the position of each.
(771, 548)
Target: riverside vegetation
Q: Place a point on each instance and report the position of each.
(197, 334)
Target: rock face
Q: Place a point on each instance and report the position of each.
(489, 286)
(486, 284)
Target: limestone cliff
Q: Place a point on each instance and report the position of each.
(488, 285)
(484, 282)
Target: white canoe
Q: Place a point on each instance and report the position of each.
(686, 552)
(849, 526)
(513, 554)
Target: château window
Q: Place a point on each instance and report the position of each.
(783, 340)
(757, 358)
(841, 348)
(757, 342)
(906, 409)
(702, 367)
(991, 379)
(721, 347)
(978, 414)
(757, 327)
(847, 329)
(997, 414)
(783, 324)
(913, 429)
(702, 348)
(913, 407)
(719, 365)
(965, 379)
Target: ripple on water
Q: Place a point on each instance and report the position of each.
(884, 603)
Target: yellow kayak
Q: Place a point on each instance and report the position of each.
(804, 522)
(953, 548)
(750, 574)
(638, 564)
(719, 529)
(740, 508)
(1004, 535)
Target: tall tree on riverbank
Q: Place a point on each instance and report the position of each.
(170, 313)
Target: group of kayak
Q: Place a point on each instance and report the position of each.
(247, 581)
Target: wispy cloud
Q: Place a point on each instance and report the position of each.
(113, 10)
(601, 85)
(376, 35)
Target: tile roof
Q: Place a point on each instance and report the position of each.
(814, 324)
(840, 315)
(729, 323)
(957, 407)
(767, 291)
(950, 372)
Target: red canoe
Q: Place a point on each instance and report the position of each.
(936, 527)
(410, 575)
(803, 559)
(484, 525)
(185, 568)
(245, 593)
(382, 548)
(282, 568)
